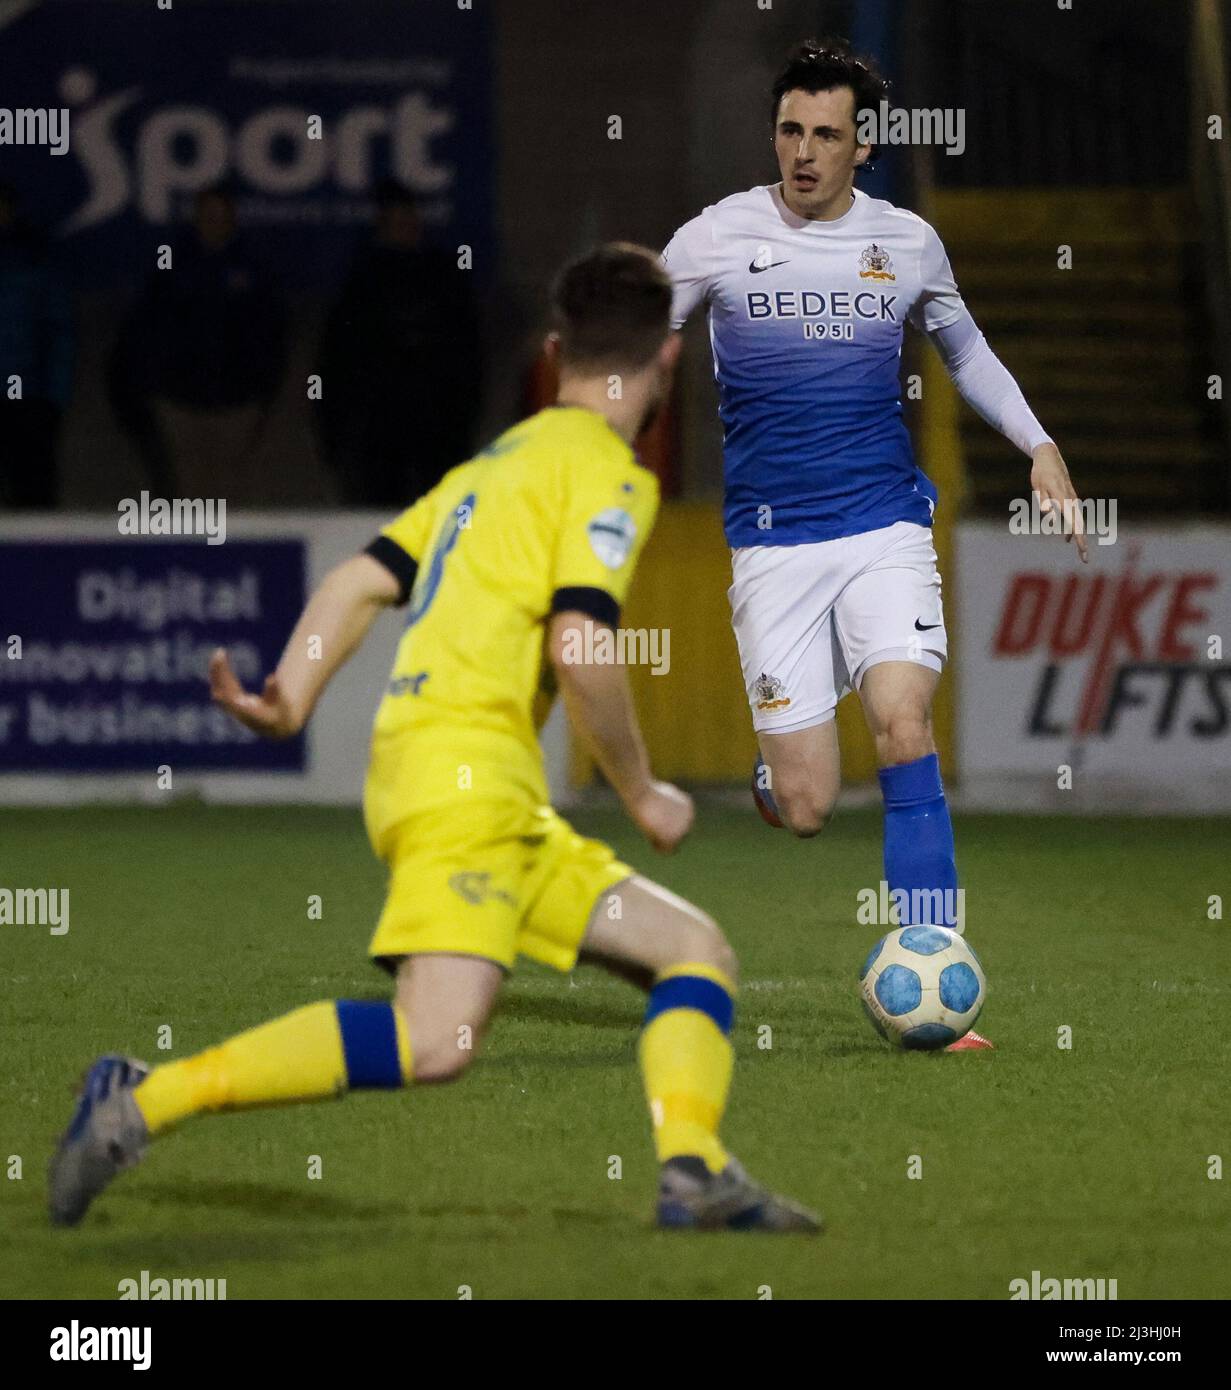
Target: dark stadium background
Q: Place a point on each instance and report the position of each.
(1084, 126)
(1098, 98)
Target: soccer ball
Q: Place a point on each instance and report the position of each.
(922, 987)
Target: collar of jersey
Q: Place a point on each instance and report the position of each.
(599, 420)
(797, 223)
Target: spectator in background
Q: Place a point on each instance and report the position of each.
(36, 360)
(399, 364)
(200, 358)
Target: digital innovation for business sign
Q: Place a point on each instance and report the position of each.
(110, 671)
(162, 103)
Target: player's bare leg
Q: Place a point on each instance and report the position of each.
(802, 772)
(654, 930)
(646, 933)
(430, 1033)
(897, 704)
(446, 1002)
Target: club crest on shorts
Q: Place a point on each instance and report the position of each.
(770, 693)
(874, 264)
(477, 888)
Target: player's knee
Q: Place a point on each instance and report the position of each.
(699, 939)
(441, 1060)
(907, 736)
(723, 955)
(805, 808)
(441, 1054)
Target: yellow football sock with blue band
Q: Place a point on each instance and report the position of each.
(686, 1061)
(313, 1053)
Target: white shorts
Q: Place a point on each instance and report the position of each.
(811, 619)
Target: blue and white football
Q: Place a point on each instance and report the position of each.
(922, 987)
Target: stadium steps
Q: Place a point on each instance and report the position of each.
(1103, 351)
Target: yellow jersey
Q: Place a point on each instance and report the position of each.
(550, 517)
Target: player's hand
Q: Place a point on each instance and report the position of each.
(268, 714)
(1049, 477)
(664, 814)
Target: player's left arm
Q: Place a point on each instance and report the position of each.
(988, 387)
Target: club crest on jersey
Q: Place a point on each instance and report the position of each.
(874, 264)
(770, 693)
(612, 533)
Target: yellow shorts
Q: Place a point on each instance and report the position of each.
(495, 880)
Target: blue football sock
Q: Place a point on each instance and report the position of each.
(919, 842)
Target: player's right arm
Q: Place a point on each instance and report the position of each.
(334, 623)
(600, 708)
(689, 260)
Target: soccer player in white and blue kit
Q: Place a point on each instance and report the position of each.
(808, 285)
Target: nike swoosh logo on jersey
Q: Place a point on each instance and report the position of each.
(924, 627)
(754, 269)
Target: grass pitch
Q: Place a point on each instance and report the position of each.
(1086, 1162)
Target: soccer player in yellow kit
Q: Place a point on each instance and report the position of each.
(503, 565)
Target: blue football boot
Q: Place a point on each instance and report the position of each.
(106, 1135)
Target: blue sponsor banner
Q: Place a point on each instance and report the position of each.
(115, 641)
(163, 103)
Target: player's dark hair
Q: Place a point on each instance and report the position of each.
(821, 65)
(611, 308)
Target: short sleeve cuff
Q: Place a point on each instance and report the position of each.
(400, 565)
(594, 603)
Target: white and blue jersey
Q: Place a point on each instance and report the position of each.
(806, 323)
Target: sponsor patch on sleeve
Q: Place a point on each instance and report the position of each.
(612, 533)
